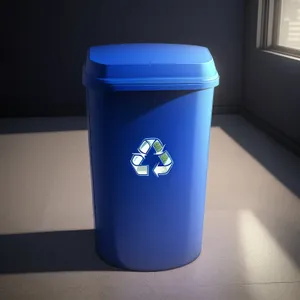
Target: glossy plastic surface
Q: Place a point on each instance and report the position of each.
(138, 92)
(149, 223)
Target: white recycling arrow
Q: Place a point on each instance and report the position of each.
(136, 162)
(162, 170)
(145, 146)
(164, 156)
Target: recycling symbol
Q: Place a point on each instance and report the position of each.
(164, 165)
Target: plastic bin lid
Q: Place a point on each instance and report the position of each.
(151, 66)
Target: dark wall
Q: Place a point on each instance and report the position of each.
(272, 83)
(45, 44)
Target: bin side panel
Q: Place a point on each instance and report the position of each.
(149, 222)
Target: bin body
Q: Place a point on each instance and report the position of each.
(149, 144)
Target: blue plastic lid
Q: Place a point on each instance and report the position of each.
(150, 66)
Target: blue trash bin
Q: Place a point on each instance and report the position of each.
(149, 111)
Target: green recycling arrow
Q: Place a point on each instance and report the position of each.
(165, 159)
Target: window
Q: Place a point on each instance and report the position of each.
(279, 26)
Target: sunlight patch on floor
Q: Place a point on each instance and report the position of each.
(262, 254)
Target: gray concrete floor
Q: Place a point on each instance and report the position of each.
(252, 223)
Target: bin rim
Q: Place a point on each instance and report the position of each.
(155, 66)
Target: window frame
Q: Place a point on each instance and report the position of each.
(269, 12)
